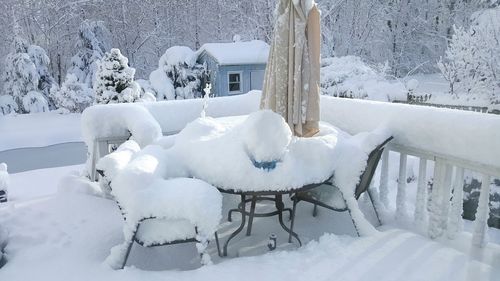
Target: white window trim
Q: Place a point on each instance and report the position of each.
(241, 82)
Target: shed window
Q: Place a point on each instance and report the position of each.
(234, 80)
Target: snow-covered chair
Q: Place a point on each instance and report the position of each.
(329, 196)
(158, 211)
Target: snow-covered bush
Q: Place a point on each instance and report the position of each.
(7, 105)
(115, 80)
(35, 102)
(93, 42)
(4, 183)
(26, 70)
(73, 96)
(148, 94)
(350, 77)
(178, 75)
(471, 64)
(42, 62)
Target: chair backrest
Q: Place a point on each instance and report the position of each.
(371, 166)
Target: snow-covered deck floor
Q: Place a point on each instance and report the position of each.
(67, 235)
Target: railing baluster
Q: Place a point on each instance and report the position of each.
(482, 214)
(455, 222)
(384, 179)
(421, 200)
(445, 196)
(401, 212)
(435, 230)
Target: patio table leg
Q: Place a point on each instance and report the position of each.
(280, 206)
(240, 228)
(251, 215)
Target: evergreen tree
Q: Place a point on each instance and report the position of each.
(93, 42)
(115, 80)
(73, 96)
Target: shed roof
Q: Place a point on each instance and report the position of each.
(236, 53)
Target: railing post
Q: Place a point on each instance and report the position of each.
(445, 196)
(455, 222)
(421, 216)
(384, 179)
(401, 212)
(482, 214)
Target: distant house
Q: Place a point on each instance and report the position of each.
(235, 68)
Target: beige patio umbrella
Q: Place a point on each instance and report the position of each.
(291, 82)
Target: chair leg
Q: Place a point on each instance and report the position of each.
(217, 244)
(315, 210)
(129, 247)
(292, 218)
(374, 207)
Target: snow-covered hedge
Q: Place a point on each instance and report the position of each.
(349, 76)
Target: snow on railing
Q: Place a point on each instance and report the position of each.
(453, 141)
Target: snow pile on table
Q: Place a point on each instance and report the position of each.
(349, 76)
(178, 205)
(4, 182)
(236, 53)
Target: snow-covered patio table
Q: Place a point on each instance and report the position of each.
(257, 158)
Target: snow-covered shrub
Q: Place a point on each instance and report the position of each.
(35, 102)
(7, 105)
(350, 77)
(4, 183)
(26, 70)
(148, 94)
(115, 80)
(471, 64)
(178, 75)
(93, 42)
(73, 96)
(42, 62)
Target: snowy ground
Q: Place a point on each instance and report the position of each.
(59, 234)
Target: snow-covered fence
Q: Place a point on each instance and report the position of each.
(454, 141)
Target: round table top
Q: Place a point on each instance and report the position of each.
(271, 192)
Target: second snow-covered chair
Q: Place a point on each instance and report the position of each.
(158, 211)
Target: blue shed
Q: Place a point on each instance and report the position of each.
(235, 68)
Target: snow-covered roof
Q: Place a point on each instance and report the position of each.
(250, 52)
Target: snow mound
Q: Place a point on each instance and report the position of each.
(266, 136)
(115, 162)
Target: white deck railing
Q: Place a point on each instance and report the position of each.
(453, 140)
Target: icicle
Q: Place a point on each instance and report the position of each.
(401, 212)
(455, 222)
(384, 179)
(421, 200)
(479, 237)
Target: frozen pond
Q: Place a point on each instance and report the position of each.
(32, 158)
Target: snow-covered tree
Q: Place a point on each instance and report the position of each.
(93, 42)
(178, 75)
(115, 80)
(21, 78)
(471, 64)
(42, 63)
(73, 96)
(35, 102)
